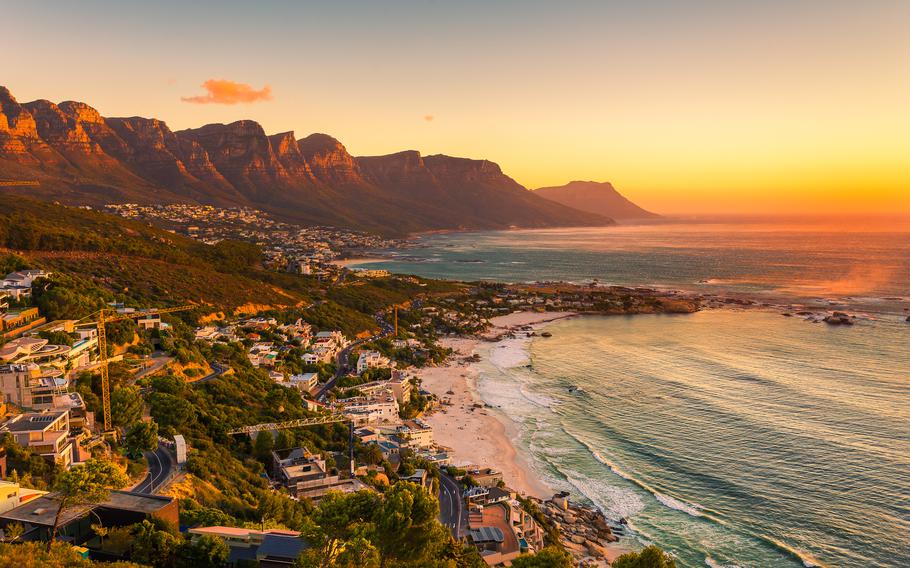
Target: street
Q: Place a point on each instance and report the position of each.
(451, 505)
(160, 466)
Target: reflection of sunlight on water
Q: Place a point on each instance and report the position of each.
(860, 279)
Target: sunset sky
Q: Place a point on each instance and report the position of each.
(687, 107)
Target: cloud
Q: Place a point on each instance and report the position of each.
(428, 117)
(223, 92)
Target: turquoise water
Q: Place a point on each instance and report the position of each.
(861, 266)
(729, 438)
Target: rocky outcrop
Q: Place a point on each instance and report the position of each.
(838, 318)
(19, 140)
(583, 531)
(330, 161)
(243, 154)
(78, 156)
(288, 152)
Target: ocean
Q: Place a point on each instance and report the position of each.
(866, 267)
(735, 438)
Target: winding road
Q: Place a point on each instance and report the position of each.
(161, 464)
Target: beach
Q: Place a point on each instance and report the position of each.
(478, 435)
(356, 261)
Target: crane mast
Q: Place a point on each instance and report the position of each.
(103, 319)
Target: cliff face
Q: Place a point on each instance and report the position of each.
(595, 197)
(78, 156)
(19, 140)
(330, 161)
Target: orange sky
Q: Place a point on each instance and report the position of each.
(697, 107)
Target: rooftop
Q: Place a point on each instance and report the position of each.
(33, 421)
(486, 534)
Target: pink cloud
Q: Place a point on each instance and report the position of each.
(223, 92)
(429, 117)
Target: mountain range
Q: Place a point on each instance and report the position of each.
(77, 156)
(595, 197)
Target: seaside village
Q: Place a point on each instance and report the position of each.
(285, 247)
(354, 381)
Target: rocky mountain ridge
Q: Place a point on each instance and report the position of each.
(78, 156)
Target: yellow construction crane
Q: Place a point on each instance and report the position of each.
(404, 305)
(106, 316)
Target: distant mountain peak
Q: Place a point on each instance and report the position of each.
(598, 197)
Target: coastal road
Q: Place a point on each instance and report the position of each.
(451, 505)
(217, 371)
(161, 465)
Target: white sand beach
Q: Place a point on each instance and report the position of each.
(473, 432)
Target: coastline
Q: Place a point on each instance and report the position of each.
(356, 261)
(475, 433)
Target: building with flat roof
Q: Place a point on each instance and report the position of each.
(120, 509)
(45, 433)
(305, 475)
(270, 548)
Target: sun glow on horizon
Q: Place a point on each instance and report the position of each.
(705, 107)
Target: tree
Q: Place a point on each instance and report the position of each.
(84, 486)
(649, 557)
(13, 532)
(265, 443)
(356, 553)
(171, 412)
(284, 440)
(550, 557)
(126, 406)
(34, 555)
(142, 437)
(338, 519)
(57, 337)
(406, 526)
(207, 551)
(152, 545)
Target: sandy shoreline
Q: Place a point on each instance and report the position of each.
(482, 436)
(348, 262)
(473, 432)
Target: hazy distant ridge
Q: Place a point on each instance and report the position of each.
(595, 197)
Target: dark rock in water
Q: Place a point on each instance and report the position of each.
(548, 334)
(838, 318)
(908, 319)
(787, 315)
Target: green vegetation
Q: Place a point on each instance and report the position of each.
(85, 485)
(98, 259)
(547, 558)
(415, 405)
(366, 529)
(60, 555)
(141, 437)
(649, 557)
(26, 467)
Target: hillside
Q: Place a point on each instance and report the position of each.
(99, 258)
(595, 197)
(79, 157)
